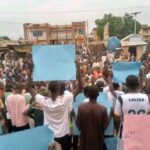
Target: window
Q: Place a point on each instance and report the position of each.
(80, 31)
(37, 33)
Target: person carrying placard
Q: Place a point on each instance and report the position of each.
(92, 120)
(16, 106)
(131, 103)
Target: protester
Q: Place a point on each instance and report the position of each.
(17, 108)
(56, 112)
(116, 92)
(53, 104)
(147, 87)
(35, 111)
(91, 116)
(131, 103)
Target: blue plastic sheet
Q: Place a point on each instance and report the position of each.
(33, 139)
(111, 143)
(54, 62)
(102, 99)
(78, 101)
(121, 70)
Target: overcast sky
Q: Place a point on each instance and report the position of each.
(13, 13)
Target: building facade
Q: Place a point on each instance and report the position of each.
(133, 45)
(145, 32)
(44, 34)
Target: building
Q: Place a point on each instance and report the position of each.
(145, 32)
(133, 44)
(55, 34)
(5, 43)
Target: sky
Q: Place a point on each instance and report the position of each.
(13, 13)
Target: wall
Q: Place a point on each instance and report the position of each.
(139, 51)
(53, 34)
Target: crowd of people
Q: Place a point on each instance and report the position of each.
(71, 105)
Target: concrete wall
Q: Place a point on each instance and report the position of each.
(139, 51)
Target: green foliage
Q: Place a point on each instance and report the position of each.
(118, 26)
(4, 38)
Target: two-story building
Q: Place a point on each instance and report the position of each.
(145, 32)
(74, 33)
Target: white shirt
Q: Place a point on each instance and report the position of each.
(109, 94)
(96, 64)
(56, 113)
(133, 103)
(148, 76)
(3, 81)
(104, 58)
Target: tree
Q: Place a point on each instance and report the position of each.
(118, 26)
(4, 38)
(129, 24)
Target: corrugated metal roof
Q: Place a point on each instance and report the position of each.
(133, 40)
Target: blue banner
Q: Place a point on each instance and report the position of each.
(121, 70)
(78, 101)
(33, 139)
(103, 100)
(54, 62)
(111, 143)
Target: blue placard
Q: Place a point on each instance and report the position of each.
(111, 143)
(54, 62)
(78, 101)
(103, 100)
(33, 139)
(121, 70)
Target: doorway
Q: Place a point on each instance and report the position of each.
(132, 51)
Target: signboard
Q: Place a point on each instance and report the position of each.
(54, 62)
(136, 131)
(33, 139)
(121, 70)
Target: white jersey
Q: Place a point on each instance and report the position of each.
(132, 103)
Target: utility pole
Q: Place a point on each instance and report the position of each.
(87, 34)
(135, 14)
(28, 32)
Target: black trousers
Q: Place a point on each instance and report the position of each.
(9, 126)
(75, 142)
(64, 142)
(16, 129)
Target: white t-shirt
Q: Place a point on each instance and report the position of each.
(104, 58)
(118, 93)
(133, 103)
(56, 113)
(109, 94)
(148, 76)
(96, 64)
